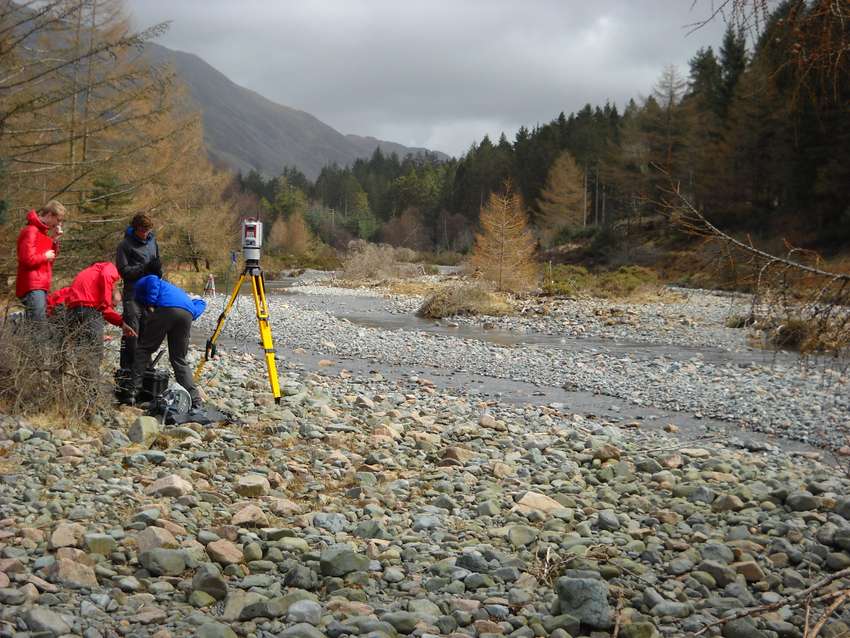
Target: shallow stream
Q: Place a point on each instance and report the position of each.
(380, 314)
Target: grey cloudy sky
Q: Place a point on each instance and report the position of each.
(436, 73)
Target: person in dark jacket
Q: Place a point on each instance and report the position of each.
(170, 313)
(137, 256)
(88, 301)
(37, 248)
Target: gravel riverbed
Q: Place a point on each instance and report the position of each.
(377, 507)
(702, 368)
(377, 504)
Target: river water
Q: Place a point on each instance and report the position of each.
(372, 312)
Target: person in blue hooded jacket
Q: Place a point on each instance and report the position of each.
(170, 313)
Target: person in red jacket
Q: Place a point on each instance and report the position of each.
(89, 300)
(37, 248)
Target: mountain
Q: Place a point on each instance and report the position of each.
(244, 130)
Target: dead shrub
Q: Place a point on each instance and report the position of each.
(407, 255)
(791, 334)
(740, 321)
(381, 261)
(453, 301)
(809, 336)
(52, 368)
(548, 566)
(370, 261)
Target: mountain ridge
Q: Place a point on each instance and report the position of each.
(245, 130)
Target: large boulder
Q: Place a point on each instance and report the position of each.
(171, 485)
(340, 560)
(163, 562)
(252, 485)
(45, 622)
(72, 574)
(586, 599)
(209, 580)
(144, 430)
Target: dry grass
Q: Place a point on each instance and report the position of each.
(628, 282)
(413, 288)
(52, 420)
(51, 370)
(740, 321)
(458, 300)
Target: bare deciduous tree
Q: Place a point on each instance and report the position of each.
(291, 236)
(80, 105)
(562, 201)
(504, 250)
(406, 230)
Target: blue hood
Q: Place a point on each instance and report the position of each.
(130, 233)
(150, 290)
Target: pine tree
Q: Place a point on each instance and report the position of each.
(733, 61)
(562, 200)
(504, 250)
(705, 82)
(663, 125)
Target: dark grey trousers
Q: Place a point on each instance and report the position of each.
(35, 302)
(133, 316)
(83, 340)
(176, 325)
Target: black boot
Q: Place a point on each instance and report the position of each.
(124, 391)
(128, 352)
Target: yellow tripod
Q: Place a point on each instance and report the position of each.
(258, 287)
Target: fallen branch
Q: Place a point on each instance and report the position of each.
(617, 612)
(749, 248)
(789, 600)
(826, 614)
(808, 617)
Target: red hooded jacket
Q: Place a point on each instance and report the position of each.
(91, 288)
(34, 271)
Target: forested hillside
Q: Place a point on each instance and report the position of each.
(758, 146)
(244, 131)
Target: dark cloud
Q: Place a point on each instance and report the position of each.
(436, 73)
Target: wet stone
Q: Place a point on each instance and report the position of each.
(586, 599)
(340, 560)
(163, 562)
(46, 622)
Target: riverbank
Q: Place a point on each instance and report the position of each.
(368, 505)
(673, 356)
(396, 490)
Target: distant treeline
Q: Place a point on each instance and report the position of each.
(756, 148)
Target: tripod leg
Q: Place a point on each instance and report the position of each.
(209, 351)
(262, 306)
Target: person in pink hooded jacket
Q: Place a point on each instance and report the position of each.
(89, 301)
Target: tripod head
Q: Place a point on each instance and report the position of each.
(252, 241)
